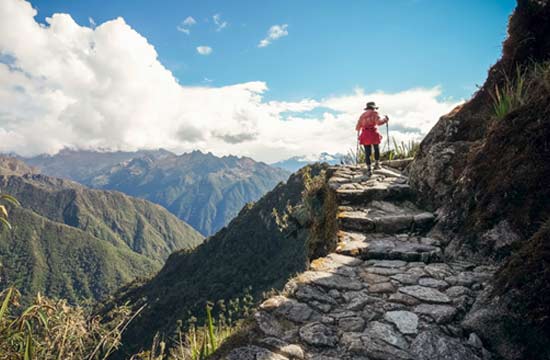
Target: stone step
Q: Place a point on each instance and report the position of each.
(362, 194)
(352, 186)
(385, 217)
(389, 247)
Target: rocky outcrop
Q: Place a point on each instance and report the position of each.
(13, 166)
(487, 180)
(385, 293)
(486, 177)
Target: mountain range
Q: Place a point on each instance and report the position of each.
(77, 243)
(297, 162)
(204, 190)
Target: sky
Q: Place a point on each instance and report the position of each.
(266, 79)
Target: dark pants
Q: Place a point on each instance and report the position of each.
(368, 152)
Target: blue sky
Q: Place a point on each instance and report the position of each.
(120, 75)
(332, 46)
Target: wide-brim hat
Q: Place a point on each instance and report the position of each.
(371, 105)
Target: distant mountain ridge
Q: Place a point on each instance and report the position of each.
(73, 242)
(297, 162)
(204, 190)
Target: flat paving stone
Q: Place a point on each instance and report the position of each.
(328, 265)
(253, 352)
(371, 278)
(456, 291)
(405, 321)
(292, 351)
(329, 280)
(433, 283)
(351, 324)
(425, 294)
(308, 293)
(433, 345)
(288, 308)
(403, 299)
(386, 333)
(382, 288)
(318, 334)
(439, 270)
(441, 314)
(387, 263)
(344, 260)
(407, 279)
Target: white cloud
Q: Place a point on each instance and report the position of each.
(275, 32)
(204, 50)
(189, 21)
(220, 24)
(66, 85)
(91, 21)
(186, 24)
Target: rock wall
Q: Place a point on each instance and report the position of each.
(487, 180)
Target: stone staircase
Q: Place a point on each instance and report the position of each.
(385, 293)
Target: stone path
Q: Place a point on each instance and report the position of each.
(386, 293)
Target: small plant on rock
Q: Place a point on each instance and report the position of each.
(512, 94)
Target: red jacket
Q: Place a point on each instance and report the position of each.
(367, 123)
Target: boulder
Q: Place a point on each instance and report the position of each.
(318, 334)
(433, 345)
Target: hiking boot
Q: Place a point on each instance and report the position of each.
(376, 165)
(364, 177)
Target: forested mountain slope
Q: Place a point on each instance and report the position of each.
(73, 242)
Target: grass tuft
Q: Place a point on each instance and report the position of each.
(510, 95)
(52, 329)
(399, 150)
(199, 342)
(526, 84)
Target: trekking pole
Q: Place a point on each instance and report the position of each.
(388, 135)
(357, 150)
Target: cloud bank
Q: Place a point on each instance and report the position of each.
(66, 85)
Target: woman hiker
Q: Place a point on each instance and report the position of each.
(367, 123)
